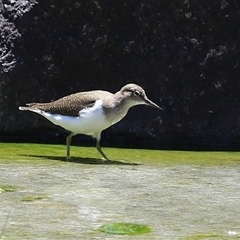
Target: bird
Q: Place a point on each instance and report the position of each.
(91, 112)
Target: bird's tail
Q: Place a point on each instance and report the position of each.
(23, 108)
(29, 107)
(32, 109)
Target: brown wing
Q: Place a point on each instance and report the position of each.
(71, 104)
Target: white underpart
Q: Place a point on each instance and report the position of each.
(91, 121)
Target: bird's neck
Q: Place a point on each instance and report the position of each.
(117, 107)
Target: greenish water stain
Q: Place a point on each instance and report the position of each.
(125, 228)
(62, 234)
(8, 188)
(34, 198)
(210, 236)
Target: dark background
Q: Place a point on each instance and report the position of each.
(185, 54)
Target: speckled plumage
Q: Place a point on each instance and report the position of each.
(72, 104)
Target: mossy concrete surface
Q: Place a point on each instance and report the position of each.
(182, 199)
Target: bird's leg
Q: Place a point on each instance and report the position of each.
(98, 138)
(68, 142)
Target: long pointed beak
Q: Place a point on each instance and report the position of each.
(152, 104)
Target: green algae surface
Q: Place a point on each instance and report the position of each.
(46, 153)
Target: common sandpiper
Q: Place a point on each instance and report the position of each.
(91, 112)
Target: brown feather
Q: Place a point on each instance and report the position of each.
(71, 104)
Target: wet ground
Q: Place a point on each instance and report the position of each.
(72, 200)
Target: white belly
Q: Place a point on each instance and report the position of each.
(90, 121)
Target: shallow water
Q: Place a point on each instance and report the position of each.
(176, 201)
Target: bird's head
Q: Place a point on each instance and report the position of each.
(137, 96)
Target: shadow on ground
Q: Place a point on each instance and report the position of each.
(83, 160)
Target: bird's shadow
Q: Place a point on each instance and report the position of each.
(82, 160)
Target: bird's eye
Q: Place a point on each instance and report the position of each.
(137, 93)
